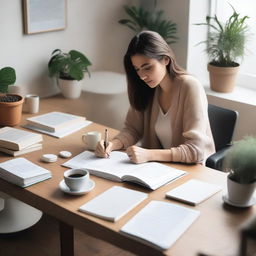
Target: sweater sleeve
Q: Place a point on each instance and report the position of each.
(195, 133)
(133, 127)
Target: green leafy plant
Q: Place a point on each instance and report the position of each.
(240, 161)
(7, 77)
(69, 66)
(226, 41)
(141, 19)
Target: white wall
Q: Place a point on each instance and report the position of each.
(92, 29)
(196, 56)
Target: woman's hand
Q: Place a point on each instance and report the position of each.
(138, 155)
(100, 150)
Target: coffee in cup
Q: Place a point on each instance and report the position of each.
(76, 179)
(91, 139)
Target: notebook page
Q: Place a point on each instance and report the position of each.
(160, 224)
(117, 164)
(156, 174)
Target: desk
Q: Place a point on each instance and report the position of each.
(215, 232)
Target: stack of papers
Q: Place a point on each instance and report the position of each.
(16, 142)
(22, 172)
(56, 124)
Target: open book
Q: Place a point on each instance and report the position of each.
(54, 121)
(160, 224)
(119, 168)
(22, 172)
(114, 203)
(17, 139)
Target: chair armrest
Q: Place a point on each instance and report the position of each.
(215, 160)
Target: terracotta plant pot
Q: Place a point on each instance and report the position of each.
(222, 79)
(10, 112)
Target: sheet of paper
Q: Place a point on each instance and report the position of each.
(193, 191)
(113, 203)
(160, 224)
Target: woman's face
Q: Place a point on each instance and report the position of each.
(150, 70)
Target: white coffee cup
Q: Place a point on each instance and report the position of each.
(91, 139)
(76, 179)
(31, 104)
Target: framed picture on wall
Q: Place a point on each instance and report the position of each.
(44, 15)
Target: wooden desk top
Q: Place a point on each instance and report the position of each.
(215, 232)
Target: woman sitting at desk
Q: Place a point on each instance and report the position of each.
(168, 111)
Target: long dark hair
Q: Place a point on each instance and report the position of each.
(152, 45)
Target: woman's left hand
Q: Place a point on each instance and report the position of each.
(138, 155)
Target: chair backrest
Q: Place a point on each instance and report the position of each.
(222, 122)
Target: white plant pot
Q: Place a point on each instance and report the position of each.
(70, 88)
(240, 194)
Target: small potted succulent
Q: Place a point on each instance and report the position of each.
(10, 104)
(225, 46)
(240, 162)
(69, 69)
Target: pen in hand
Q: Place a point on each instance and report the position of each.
(106, 140)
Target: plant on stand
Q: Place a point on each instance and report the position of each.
(141, 19)
(240, 161)
(225, 47)
(10, 104)
(68, 68)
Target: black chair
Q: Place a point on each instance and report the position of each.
(222, 122)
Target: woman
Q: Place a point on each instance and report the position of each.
(168, 112)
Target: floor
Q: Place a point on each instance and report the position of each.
(43, 240)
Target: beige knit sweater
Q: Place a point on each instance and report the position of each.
(192, 140)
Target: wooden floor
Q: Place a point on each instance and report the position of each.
(43, 240)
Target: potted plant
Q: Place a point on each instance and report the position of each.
(225, 47)
(240, 161)
(141, 19)
(68, 68)
(10, 104)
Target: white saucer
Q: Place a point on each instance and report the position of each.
(90, 185)
(250, 203)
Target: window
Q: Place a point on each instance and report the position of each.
(247, 74)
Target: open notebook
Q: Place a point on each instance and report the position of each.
(119, 168)
(160, 224)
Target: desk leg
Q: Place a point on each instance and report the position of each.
(66, 239)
